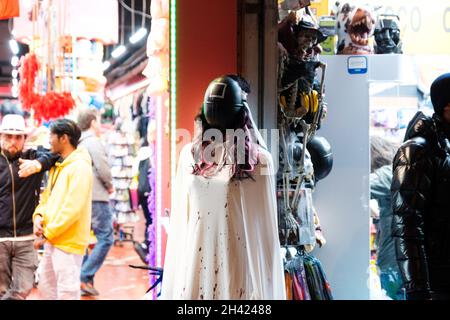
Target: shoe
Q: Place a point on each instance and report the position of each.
(87, 289)
(141, 249)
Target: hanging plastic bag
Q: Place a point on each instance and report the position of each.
(305, 218)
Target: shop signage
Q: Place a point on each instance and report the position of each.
(357, 64)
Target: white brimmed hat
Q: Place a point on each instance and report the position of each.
(13, 124)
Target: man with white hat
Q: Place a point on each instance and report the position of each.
(21, 173)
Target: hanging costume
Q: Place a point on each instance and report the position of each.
(223, 236)
(301, 110)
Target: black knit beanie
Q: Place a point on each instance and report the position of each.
(440, 93)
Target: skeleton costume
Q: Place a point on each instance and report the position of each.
(297, 67)
(300, 115)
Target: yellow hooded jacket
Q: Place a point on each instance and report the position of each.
(65, 204)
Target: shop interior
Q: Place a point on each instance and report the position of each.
(147, 79)
(378, 94)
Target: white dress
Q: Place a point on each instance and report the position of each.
(223, 236)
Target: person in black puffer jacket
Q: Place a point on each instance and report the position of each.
(421, 200)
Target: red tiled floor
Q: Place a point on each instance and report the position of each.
(116, 280)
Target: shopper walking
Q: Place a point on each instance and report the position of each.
(21, 174)
(382, 153)
(141, 168)
(63, 218)
(102, 219)
(421, 201)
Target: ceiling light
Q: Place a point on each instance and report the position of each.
(14, 46)
(14, 73)
(106, 65)
(15, 91)
(14, 61)
(118, 51)
(138, 35)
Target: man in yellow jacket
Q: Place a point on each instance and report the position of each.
(62, 220)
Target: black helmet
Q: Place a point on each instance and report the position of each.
(223, 103)
(321, 156)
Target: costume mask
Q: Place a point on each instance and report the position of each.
(355, 25)
(306, 40)
(387, 35)
(223, 102)
(308, 36)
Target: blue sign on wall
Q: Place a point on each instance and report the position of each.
(357, 64)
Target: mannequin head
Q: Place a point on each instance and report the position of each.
(224, 108)
(223, 104)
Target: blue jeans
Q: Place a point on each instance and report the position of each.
(391, 282)
(102, 225)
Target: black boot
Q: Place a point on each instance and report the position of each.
(142, 251)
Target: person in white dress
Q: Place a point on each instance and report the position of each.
(223, 235)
